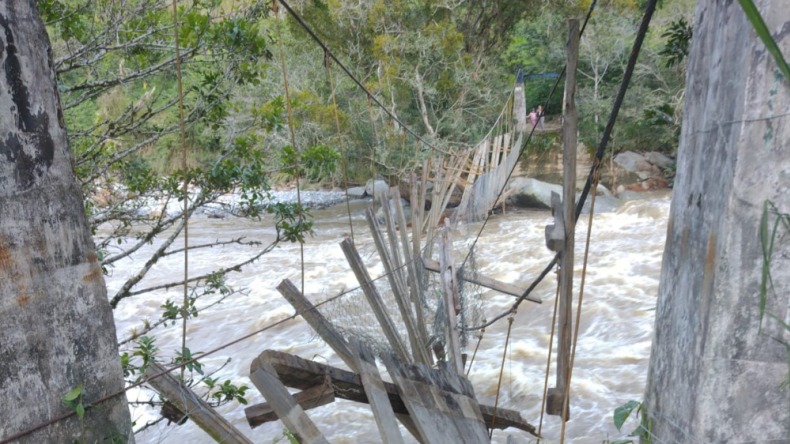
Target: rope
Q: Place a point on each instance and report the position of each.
(343, 163)
(293, 135)
(567, 394)
(501, 371)
(548, 360)
(651, 6)
(186, 190)
(479, 340)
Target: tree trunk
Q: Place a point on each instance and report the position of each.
(714, 375)
(57, 327)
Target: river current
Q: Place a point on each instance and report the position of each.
(612, 351)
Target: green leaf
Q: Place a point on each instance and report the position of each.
(73, 394)
(753, 14)
(80, 409)
(621, 413)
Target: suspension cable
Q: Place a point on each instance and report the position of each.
(501, 371)
(343, 161)
(629, 70)
(548, 359)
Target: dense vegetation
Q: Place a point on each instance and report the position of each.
(443, 68)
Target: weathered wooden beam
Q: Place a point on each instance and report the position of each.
(555, 233)
(193, 406)
(307, 399)
(398, 287)
(442, 403)
(299, 373)
(264, 376)
(376, 393)
(316, 320)
(374, 299)
(557, 399)
(451, 299)
(415, 289)
(487, 282)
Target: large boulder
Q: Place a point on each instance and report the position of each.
(376, 187)
(636, 163)
(660, 160)
(532, 193)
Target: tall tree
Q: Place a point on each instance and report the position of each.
(58, 332)
(720, 351)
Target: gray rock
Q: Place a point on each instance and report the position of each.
(375, 187)
(633, 162)
(356, 192)
(659, 160)
(531, 193)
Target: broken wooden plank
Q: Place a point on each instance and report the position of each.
(451, 302)
(374, 299)
(487, 282)
(376, 394)
(307, 399)
(316, 320)
(398, 287)
(555, 233)
(441, 402)
(415, 289)
(264, 376)
(193, 406)
(299, 373)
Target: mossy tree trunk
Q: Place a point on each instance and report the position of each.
(57, 327)
(715, 375)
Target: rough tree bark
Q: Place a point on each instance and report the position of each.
(714, 375)
(57, 327)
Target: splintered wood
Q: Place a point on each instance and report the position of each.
(441, 403)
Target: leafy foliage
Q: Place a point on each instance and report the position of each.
(678, 38)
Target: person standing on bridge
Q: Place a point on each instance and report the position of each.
(540, 116)
(533, 117)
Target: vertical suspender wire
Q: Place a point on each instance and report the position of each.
(596, 176)
(343, 160)
(479, 340)
(185, 311)
(291, 129)
(548, 360)
(501, 370)
(375, 145)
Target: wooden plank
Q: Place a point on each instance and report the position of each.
(393, 195)
(192, 405)
(288, 410)
(307, 399)
(556, 404)
(487, 282)
(302, 374)
(317, 321)
(398, 288)
(451, 302)
(374, 299)
(555, 233)
(442, 403)
(376, 394)
(415, 290)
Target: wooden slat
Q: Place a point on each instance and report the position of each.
(399, 290)
(415, 290)
(317, 321)
(487, 282)
(302, 374)
(374, 299)
(307, 399)
(376, 394)
(192, 405)
(451, 301)
(442, 403)
(264, 376)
